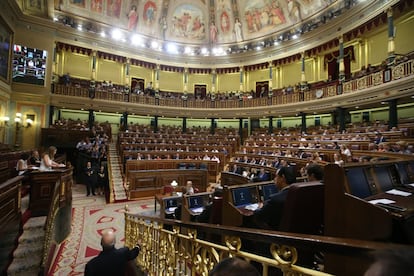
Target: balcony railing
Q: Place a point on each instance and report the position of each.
(170, 247)
(327, 90)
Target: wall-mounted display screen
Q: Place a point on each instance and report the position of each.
(29, 65)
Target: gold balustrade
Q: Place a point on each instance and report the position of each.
(170, 247)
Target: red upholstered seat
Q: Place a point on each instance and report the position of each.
(167, 190)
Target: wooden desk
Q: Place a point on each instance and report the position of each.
(406, 202)
(144, 183)
(234, 215)
(42, 188)
(348, 216)
(186, 213)
(163, 201)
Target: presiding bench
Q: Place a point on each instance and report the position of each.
(144, 183)
(211, 167)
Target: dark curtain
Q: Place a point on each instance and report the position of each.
(331, 62)
(259, 86)
(137, 83)
(200, 90)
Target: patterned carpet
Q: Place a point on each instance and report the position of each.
(91, 216)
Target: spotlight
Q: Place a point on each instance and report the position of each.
(116, 34)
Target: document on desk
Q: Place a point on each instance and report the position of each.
(171, 209)
(411, 184)
(382, 200)
(198, 210)
(252, 207)
(398, 192)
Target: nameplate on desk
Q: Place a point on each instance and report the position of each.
(398, 192)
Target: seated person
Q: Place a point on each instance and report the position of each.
(262, 176)
(189, 190)
(269, 215)
(34, 159)
(21, 166)
(314, 172)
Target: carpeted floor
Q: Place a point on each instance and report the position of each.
(91, 216)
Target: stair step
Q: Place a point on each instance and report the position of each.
(30, 272)
(32, 236)
(28, 250)
(25, 266)
(35, 222)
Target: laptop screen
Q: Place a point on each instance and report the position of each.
(195, 202)
(268, 190)
(358, 182)
(171, 202)
(241, 196)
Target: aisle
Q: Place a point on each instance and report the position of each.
(116, 181)
(91, 216)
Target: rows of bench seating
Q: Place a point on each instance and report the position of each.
(327, 144)
(174, 147)
(297, 163)
(165, 145)
(185, 157)
(351, 134)
(325, 154)
(211, 141)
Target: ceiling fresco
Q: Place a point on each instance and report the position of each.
(199, 22)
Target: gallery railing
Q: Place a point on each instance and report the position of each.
(170, 247)
(330, 89)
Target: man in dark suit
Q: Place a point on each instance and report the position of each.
(90, 179)
(270, 214)
(111, 261)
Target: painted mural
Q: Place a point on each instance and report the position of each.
(188, 23)
(196, 22)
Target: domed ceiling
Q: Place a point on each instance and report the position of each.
(199, 22)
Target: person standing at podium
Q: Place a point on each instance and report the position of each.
(47, 163)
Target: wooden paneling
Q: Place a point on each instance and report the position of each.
(144, 183)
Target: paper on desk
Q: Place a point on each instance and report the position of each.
(411, 184)
(381, 200)
(252, 207)
(398, 192)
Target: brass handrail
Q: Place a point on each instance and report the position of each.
(170, 247)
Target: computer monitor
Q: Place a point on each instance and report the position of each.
(384, 179)
(358, 182)
(402, 169)
(241, 196)
(195, 202)
(268, 190)
(171, 202)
